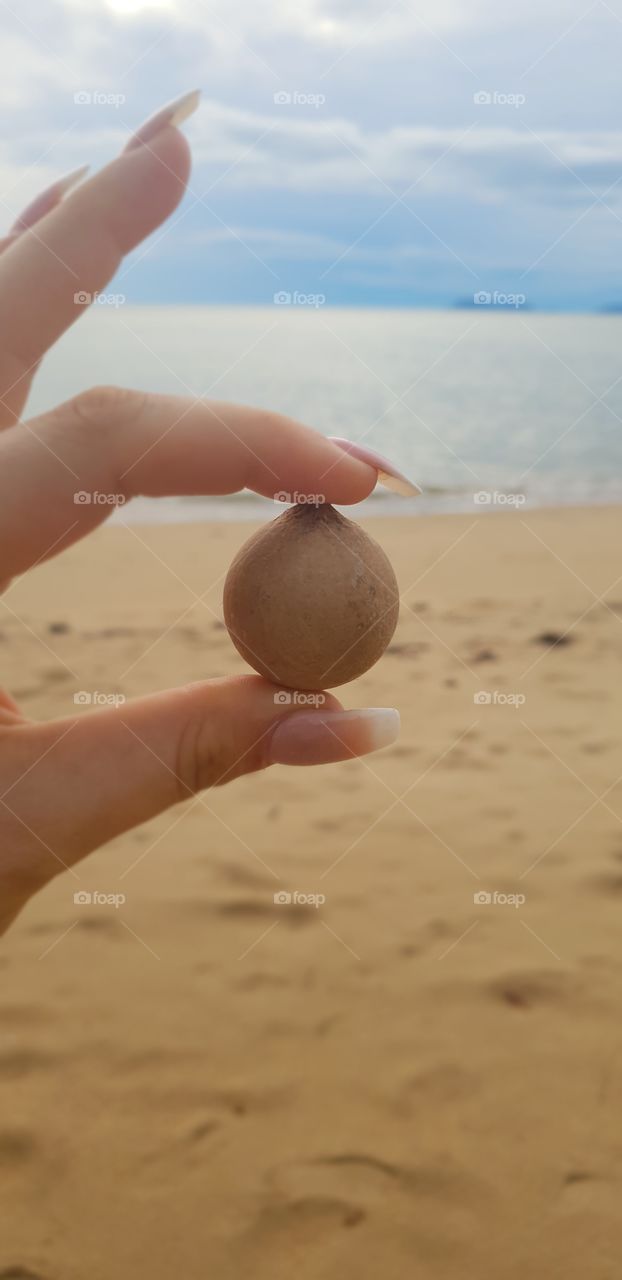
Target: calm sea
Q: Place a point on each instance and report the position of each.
(466, 402)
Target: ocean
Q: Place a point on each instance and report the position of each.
(521, 407)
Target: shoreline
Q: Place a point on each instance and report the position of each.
(249, 507)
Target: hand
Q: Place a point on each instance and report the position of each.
(69, 786)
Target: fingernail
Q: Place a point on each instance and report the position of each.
(313, 737)
(174, 113)
(48, 199)
(387, 473)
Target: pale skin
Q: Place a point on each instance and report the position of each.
(69, 786)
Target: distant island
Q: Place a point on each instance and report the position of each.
(488, 302)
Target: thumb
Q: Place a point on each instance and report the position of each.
(97, 775)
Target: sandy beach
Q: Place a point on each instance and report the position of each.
(400, 1080)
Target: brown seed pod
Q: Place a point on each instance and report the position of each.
(311, 601)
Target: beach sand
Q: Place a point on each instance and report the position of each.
(399, 1082)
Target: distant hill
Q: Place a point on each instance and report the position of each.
(469, 304)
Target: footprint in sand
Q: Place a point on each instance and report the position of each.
(261, 910)
(345, 1188)
(17, 1146)
(534, 989)
(23, 1015)
(106, 925)
(17, 1061)
(609, 884)
(237, 873)
(553, 639)
(402, 750)
(19, 1273)
(447, 1082)
(201, 1130)
(585, 1191)
(484, 655)
(255, 981)
(306, 1217)
(360, 1174)
(250, 1100)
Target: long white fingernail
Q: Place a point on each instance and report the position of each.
(324, 737)
(387, 473)
(174, 113)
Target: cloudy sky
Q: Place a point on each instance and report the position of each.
(376, 153)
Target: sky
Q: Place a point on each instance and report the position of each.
(362, 152)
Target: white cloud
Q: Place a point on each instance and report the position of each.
(483, 164)
(399, 101)
(341, 22)
(275, 243)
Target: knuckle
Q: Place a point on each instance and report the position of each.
(95, 425)
(107, 405)
(200, 758)
(210, 752)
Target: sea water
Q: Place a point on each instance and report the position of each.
(523, 408)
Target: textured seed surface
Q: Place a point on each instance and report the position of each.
(311, 601)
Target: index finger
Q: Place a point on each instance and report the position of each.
(62, 474)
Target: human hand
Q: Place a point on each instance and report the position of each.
(71, 785)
